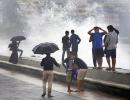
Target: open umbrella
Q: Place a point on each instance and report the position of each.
(44, 48)
(80, 63)
(17, 38)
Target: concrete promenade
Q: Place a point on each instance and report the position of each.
(14, 89)
(16, 86)
(117, 83)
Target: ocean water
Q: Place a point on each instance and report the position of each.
(47, 20)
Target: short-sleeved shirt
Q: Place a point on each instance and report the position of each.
(97, 39)
(66, 42)
(69, 62)
(111, 40)
(74, 39)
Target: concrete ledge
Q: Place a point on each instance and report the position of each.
(121, 76)
(111, 87)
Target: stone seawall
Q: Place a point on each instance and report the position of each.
(112, 82)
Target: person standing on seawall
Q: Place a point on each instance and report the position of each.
(111, 45)
(74, 40)
(14, 56)
(97, 47)
(66, 45)
(94, 59)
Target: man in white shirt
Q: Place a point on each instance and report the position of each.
(111, 45)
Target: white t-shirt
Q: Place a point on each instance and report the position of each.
(112, 40)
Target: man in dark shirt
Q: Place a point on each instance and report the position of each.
(66, 45)
(47, 64)
(74, 40)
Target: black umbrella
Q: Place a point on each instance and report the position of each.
(17, 38)
(80, 63)
(44, 48)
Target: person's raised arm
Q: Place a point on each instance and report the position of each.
(104, 32)
(116, 31)
(90, 31)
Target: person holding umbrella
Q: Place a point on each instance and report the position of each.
(18, 39)
(82, 70)
(14, 56)
(47, 63)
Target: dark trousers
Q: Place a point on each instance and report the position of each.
(94, 59)
(63, 53)
(75, 50)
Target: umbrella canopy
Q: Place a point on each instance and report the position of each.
(81, 64)
(44, 48)
(17, 38)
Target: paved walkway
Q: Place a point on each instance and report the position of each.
(12, 89)
(14, 86)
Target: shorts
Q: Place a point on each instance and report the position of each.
(98, 52)
(81, 74)
(111, 53)
(69, 76)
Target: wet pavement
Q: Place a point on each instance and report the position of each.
(13, 89)
(15, 86)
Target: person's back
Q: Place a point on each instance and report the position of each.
(82, 70)
(48, 62)
(80, 63)
(74, 39)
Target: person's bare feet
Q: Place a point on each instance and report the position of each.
(99, 67)
(113, 69)
(77, 90)
(50, 96)
(69, 90)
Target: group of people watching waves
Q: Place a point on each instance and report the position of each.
(99, 49)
